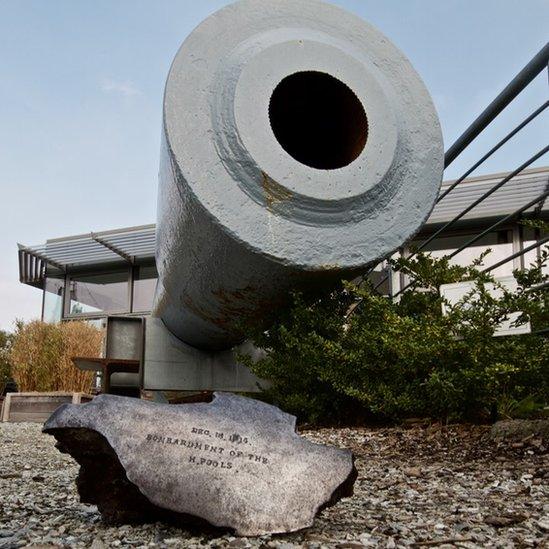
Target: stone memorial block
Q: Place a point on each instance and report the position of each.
(234, 463)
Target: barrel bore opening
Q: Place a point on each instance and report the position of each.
(318, 120)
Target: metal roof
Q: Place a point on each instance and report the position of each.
(130, 244)
(520, 190)
(136, 244)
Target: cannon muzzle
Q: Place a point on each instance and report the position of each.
(299, 146)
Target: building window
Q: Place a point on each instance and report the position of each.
(99, 293)
(531, 236)
(52, 310)
(144, 285)
(98, 323)
(499, 242)
(380, 278)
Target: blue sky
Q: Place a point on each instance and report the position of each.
(81, 91)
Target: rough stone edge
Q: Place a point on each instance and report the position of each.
(98, 460)
(150, 511)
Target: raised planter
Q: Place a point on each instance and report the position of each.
(37, 407)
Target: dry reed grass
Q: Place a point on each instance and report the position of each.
(41, 355)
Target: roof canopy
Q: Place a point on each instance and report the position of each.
(131, 244)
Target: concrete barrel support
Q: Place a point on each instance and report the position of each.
(299, 146)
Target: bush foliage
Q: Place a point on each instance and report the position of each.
(391, 359)
(5, 367)
(41, 354)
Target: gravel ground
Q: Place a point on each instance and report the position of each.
(417, 486)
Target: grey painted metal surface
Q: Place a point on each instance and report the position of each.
(170, 364)
(124, 339)
(246, 211)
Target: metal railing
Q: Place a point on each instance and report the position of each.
(538, 64)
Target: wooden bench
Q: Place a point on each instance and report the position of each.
(38, 407)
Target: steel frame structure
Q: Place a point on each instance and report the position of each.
(537, 64)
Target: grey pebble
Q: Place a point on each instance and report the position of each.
(387, 504)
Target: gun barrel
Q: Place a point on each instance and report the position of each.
(299, 146)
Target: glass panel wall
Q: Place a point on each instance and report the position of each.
(98, 323)
(144, 285)
(53, 298)
(98, 293)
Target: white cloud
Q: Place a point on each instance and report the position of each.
(126, 88)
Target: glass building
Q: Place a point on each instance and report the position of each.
(113, 272)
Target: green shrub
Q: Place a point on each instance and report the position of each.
(395, 359)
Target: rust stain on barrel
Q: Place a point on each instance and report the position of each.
(274, 191)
